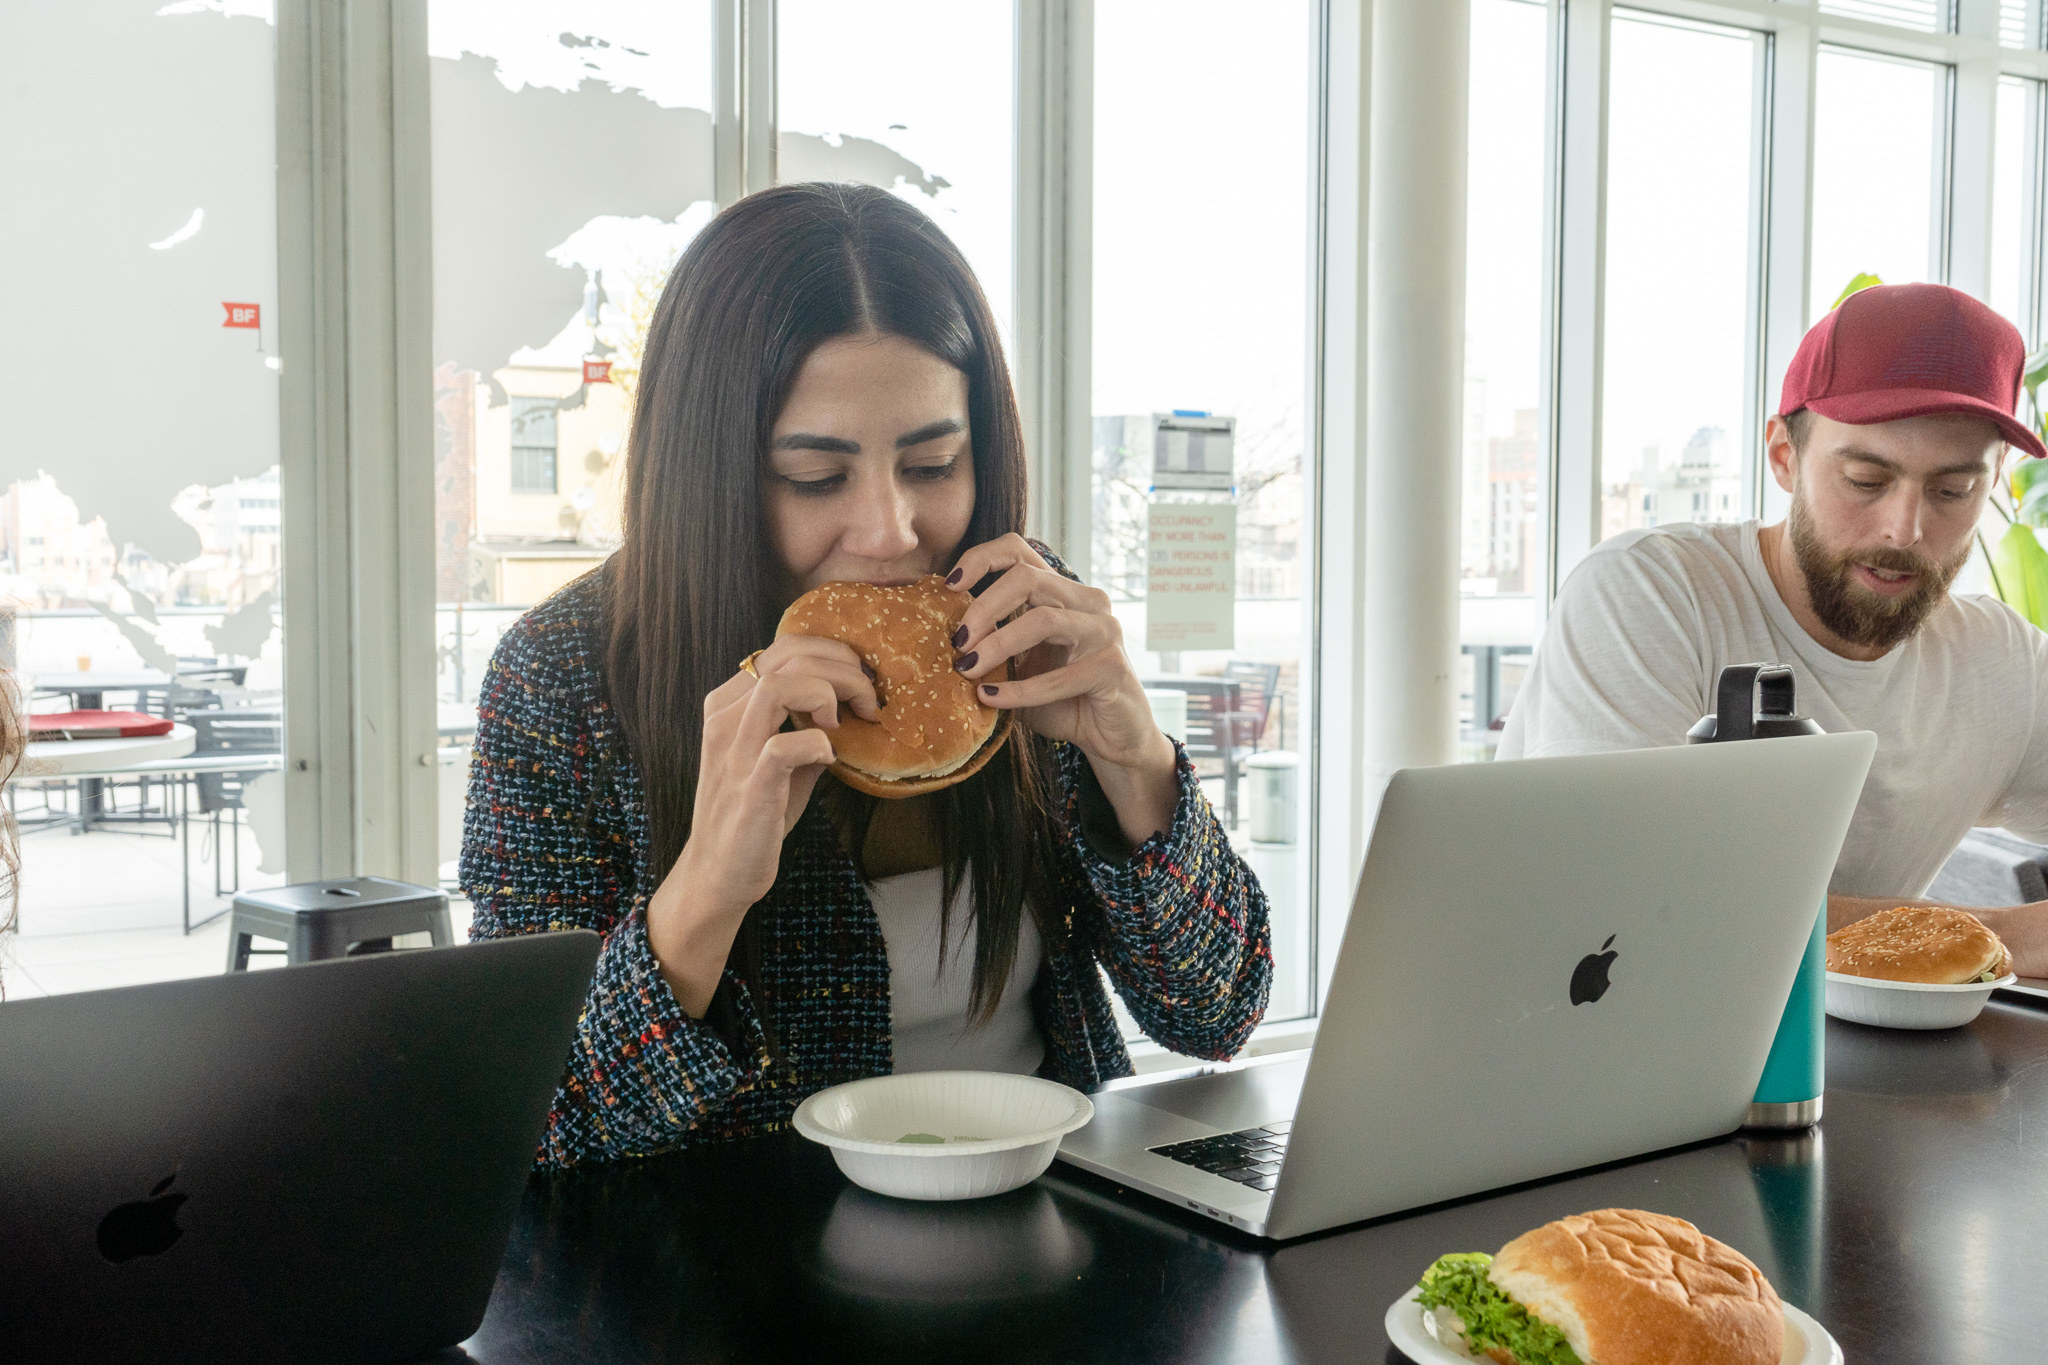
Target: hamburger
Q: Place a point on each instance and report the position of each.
(934, 730)
(1929, 945)
(1611, 1287)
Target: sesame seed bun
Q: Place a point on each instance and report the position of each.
(1633, 1288)
(934, 730)
(1925, 944)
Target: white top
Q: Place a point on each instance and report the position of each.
(1641, 631)
(928, 999)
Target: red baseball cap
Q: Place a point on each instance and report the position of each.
(1907, 350)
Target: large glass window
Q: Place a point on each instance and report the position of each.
(2012, 24)
(1681, 210)
(1204, 153)
(140, 534)
(1929, 16)
(1877, 203)
(916, 96)
(1504, 543)
(2015, 186)
(572, 163)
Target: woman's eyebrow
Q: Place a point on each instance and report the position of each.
(804, 440)
(930, 431)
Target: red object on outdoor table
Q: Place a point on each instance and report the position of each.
(95, 725)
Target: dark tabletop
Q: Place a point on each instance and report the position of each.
(1913, 1224)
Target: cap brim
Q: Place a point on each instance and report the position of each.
(1893, 405)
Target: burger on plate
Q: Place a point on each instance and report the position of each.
(1929, 945)
(1611, 1287)
(933, 729)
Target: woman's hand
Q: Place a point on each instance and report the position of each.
(753, 782)
(1073, 680)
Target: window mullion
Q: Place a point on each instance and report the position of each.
(1971, 141)
(1577, 253)
(743, 95)
(1054, 280)
(1788, 221)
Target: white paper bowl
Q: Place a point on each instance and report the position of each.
(1015, 1123)
(1907, 1004)
(1424, 1340)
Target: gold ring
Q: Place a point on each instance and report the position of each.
(747, 664)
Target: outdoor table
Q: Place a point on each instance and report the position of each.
(1913, 1223)
(89, 688)
(90, 761)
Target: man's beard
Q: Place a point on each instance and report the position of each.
(1851, 610)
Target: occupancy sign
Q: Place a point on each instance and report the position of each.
(243, 315)
(1190, 576)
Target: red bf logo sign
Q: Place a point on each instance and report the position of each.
(243, 315)
(597, 372)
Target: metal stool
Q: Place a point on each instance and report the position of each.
(339, 918)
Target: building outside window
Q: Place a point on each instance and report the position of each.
(533, 445)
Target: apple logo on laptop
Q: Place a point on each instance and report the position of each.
(146, 1227)
(1589, 978)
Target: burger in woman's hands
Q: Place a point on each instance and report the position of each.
(931, 730)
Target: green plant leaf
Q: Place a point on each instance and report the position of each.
(2035, 372)
(1862, 281)
(2033, 504)
(2022, 573)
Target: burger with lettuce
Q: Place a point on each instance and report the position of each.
(1611, 1287)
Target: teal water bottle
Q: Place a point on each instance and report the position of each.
(1756, 701)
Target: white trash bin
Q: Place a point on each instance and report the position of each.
(1273, 776)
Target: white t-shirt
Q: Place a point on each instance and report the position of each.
(928, 998)
(1641, 631)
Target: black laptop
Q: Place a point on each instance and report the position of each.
(313, 1163)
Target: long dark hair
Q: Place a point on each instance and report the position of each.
(694, 588)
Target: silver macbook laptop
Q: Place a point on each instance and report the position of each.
(313, 1163)
(1549, 964)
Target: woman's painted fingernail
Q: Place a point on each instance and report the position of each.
(953, 578)
(960, 636)
(988, 689)
(966, 661)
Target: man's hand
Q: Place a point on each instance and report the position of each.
(2025, 931)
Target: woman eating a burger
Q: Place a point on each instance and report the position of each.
(903, 822)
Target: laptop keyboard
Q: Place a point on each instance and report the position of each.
(1251, 1156)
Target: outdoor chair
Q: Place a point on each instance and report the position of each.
(243, 731)
(1258, 698)
(1217, 730)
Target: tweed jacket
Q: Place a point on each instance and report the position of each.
(556, 838)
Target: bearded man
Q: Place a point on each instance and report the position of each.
(1892, 430)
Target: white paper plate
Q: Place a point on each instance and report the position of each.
(1806, 1341)
(1908, 1004)
(978, 1132)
